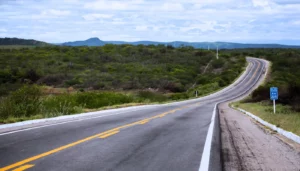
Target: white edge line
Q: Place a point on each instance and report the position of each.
(204, 164)
(281, 131)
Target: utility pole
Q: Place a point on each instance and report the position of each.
(217, 52)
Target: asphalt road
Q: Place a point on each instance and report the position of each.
(181, 136)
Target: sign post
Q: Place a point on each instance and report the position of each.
(196, 93)
(274, 96)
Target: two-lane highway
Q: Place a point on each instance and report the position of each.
(175, 136)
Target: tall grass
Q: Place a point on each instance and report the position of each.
(56, 105)
(94, 100)
(24, 102)
(149, 96)
(28, 102)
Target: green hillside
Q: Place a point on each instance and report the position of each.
(117, 67)
(62, 80)
(11, 42)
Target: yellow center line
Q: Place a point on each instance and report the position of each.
(101, 135)
(142, 122)
(24, 167)
(109, 134)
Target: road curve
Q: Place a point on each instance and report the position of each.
(175, 136)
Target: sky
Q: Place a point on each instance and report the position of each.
(243, 21)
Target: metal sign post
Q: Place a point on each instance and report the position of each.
(274, 96)
(274, 106)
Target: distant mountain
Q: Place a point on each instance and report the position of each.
(89, 42)
(204, 45)
(17, 41)
(97, 42)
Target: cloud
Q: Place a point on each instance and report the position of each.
(109, 5)
(141, 28)
(260, 3)
(55, 12)
(3, 30)
(158, 20)
(171, 7)
(96, 16)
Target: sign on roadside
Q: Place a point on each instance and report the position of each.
(274, 93)
(274, 96)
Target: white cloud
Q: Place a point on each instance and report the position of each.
(3, 30)
(108, 5)
(71, 1)
(260, 3)
(297, 22)
(56, 12)
(96, 16)
(165, 20)
(141, 28)
(170, 7)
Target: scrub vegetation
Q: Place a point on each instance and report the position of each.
(49, 81)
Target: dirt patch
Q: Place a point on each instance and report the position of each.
(247, 145)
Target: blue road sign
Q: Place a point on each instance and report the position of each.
(273, 93)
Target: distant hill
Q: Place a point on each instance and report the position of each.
(203, 45)
(97, 42)
(89, 42)
(17, 41)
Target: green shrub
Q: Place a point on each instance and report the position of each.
(24, 102)
(93, 100)
(179, 96)
(61, 105)
(150, 96)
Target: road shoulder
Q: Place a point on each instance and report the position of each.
(248, 146)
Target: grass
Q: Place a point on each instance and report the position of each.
(29, 103)
(284, 118)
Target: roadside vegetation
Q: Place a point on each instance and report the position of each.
(286, 76)
(50, 81)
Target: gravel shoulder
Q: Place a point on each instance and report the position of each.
(246, 145)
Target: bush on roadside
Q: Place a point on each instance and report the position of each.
(24, 102)
(94, 100)
(150, 96)
(178, 96)
(64, 104)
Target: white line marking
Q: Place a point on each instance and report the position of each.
(204, 165)
(26, 129)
